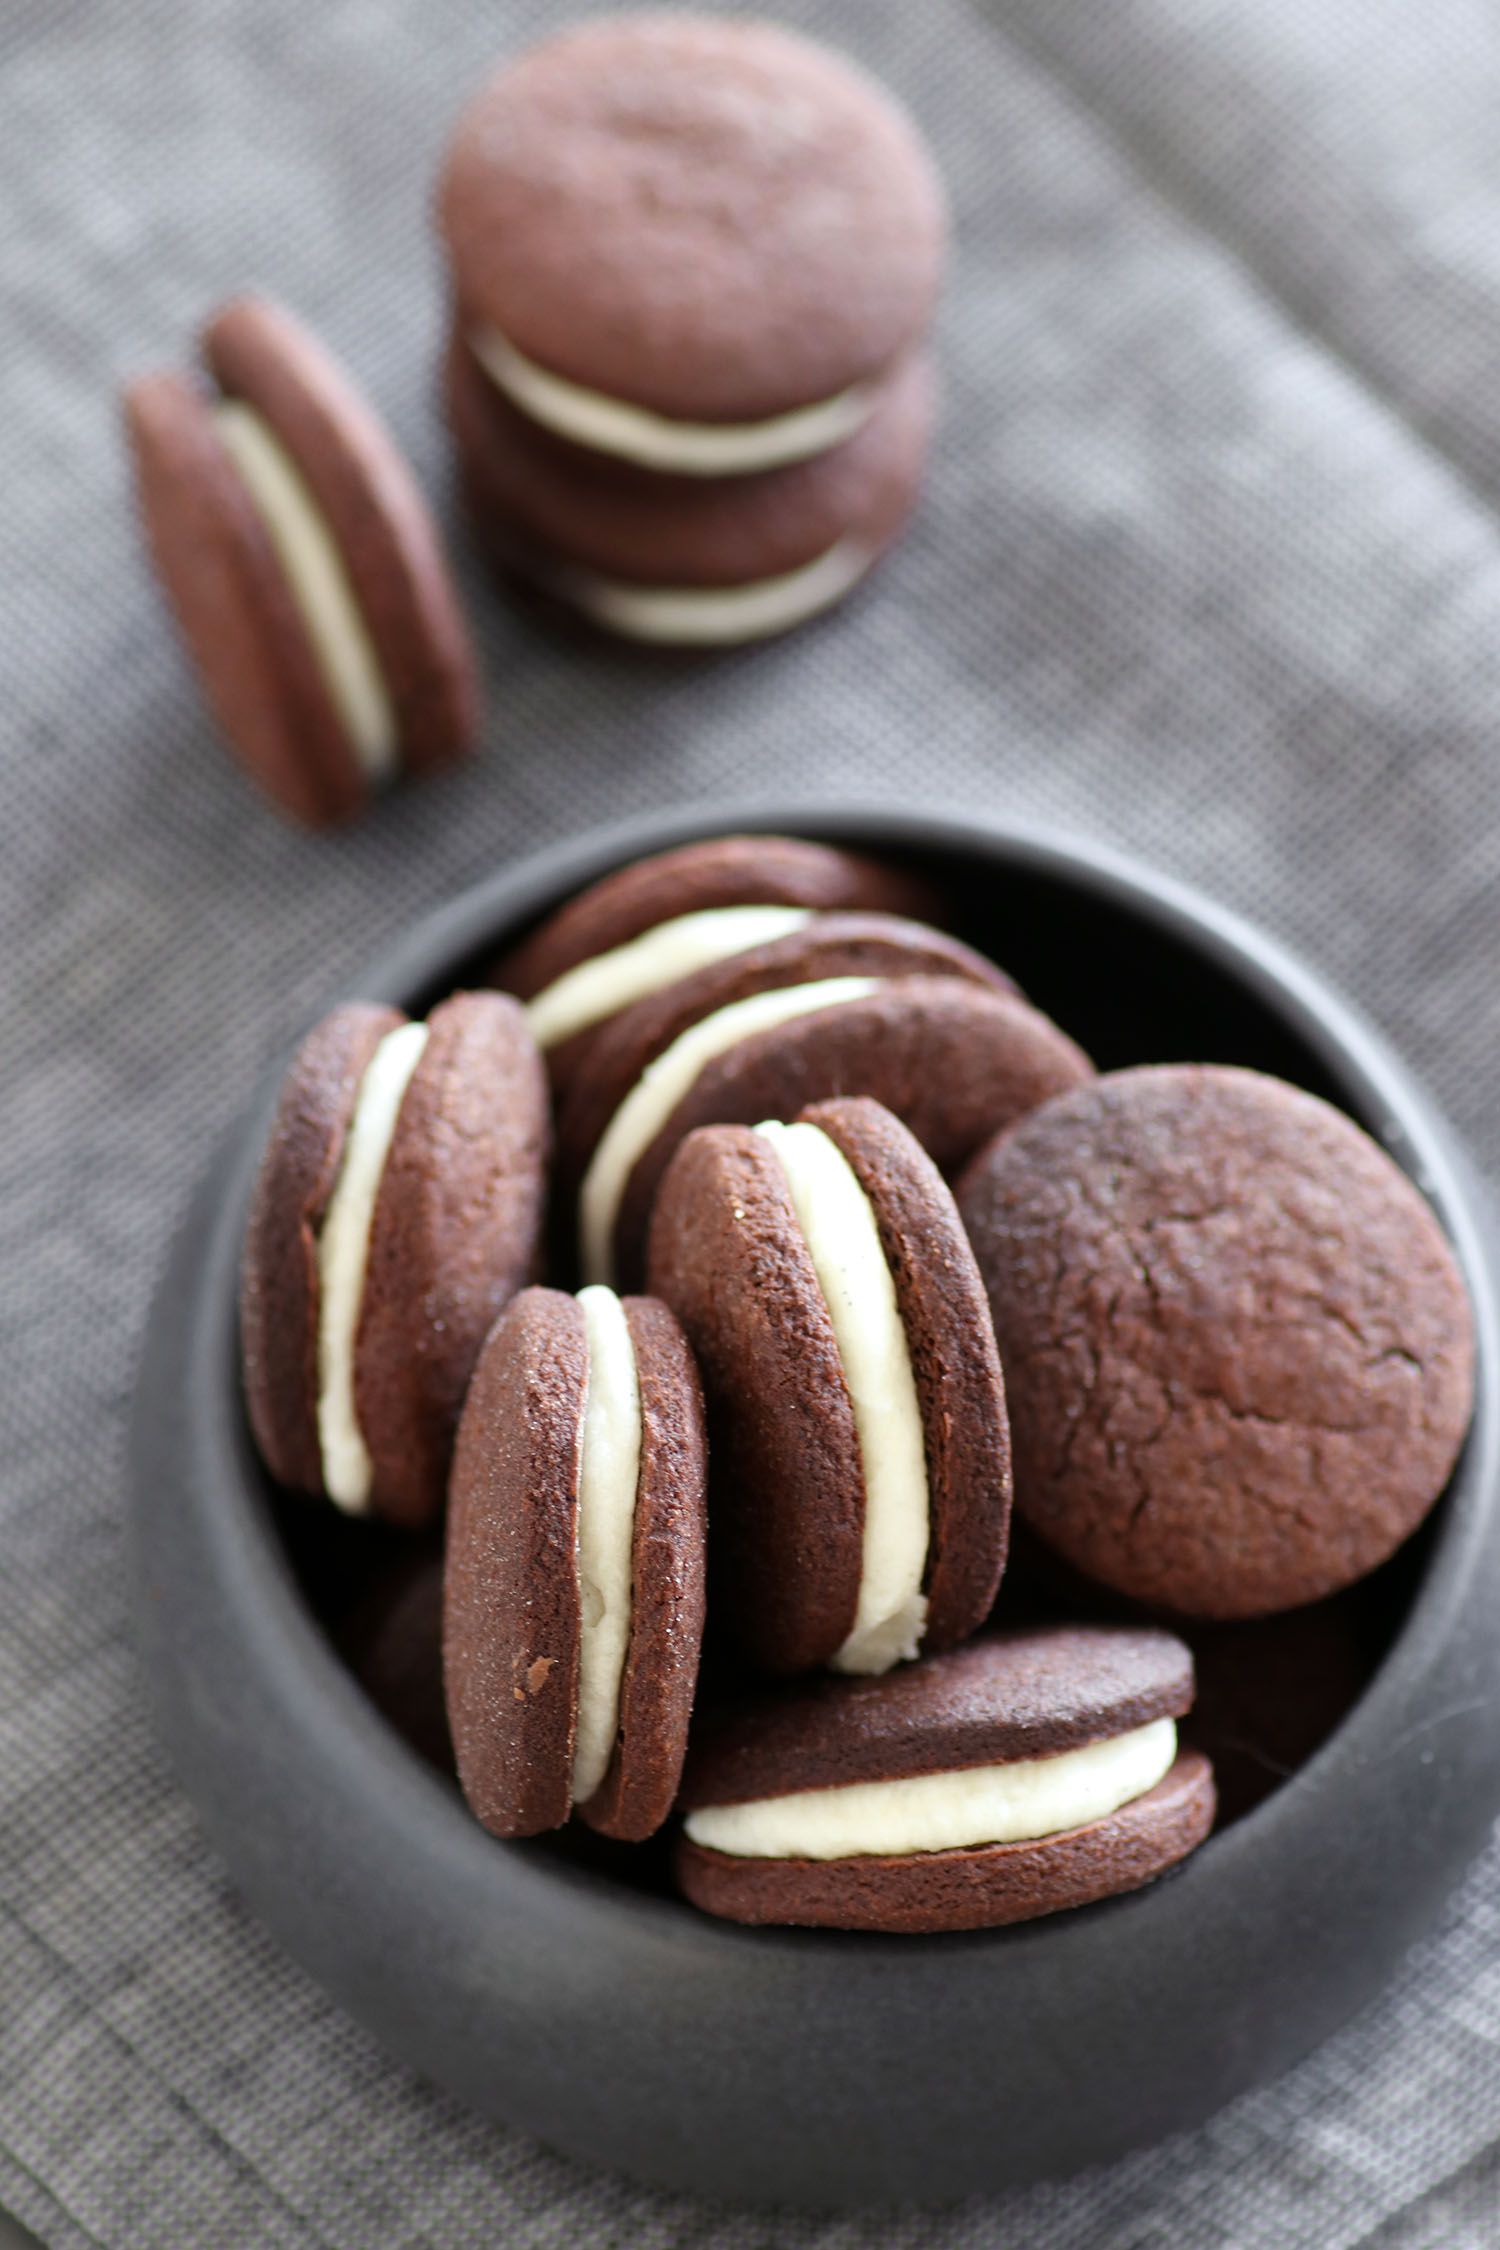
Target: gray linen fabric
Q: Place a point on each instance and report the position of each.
(1210, 566)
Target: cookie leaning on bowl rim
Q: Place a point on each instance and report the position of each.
(303, 566)
(1025, 1773)
(1241, 1351)
(861, 1454)
(573, 1601)
(397, 1208)
(694, 244)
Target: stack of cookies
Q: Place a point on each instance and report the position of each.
(732, 1549)
(693, 267)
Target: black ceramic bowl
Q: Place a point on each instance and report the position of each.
(807, 2067)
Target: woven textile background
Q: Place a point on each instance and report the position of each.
(1210, 566)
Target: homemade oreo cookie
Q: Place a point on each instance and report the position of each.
(1027, 1772)
(656, 921)
(861, 1456)
(1239, 1350)
(926, 1028)
(398, 1207)
(878, 948)
(696, 246)
(303, 567)
(573, 1606)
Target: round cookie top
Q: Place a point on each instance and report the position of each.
(1238, 1348)
(516, 1621)
(717, 222)
(604, 516)
(1007, 1696)
(303, 567)
(794, 1490)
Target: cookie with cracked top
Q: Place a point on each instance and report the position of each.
(1025, 1773)
(1239, 1349)
(573, 1606)
(861, 1495)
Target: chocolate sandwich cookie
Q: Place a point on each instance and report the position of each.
(303, 567)
(689, 561)
(694, 245)
(857, 1408)
(951, 1054)
(1027, 1772)
(877, 947)
(398, 1207)
(573, 1608)
(661, 918)
(1239, 1350)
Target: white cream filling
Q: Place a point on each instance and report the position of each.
(662, 1085)
(716, 616)
(940, 1812)
(843, 1240)
(606, 1532)
(314, 568)
(656, 441)
(611, 981)
(343, 1254)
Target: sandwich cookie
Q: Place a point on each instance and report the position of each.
(857, 1409)
(695, 246)
(398, 1207)
(659, 919)
(303, 567)
(937, 1041)
(573, 1608)
(1028, 1772)
(689, 561)
(1239, 1350)
(880, 947)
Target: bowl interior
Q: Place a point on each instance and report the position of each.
(1134, 979)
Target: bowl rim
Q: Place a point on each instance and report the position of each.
(289, 1639)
